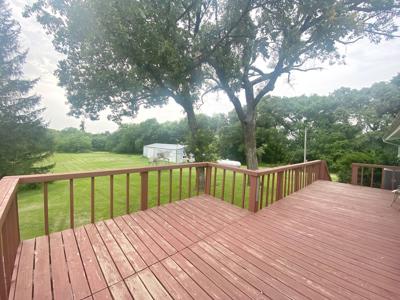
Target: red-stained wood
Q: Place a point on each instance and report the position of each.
(185, 280)
(154, 287)
(77, 275)
(137, 288)
(41, 275)
(144, 252)
(190, 183)
(59, 269)
(197, 181)
(92, 204)
(127, 193)
(261, 195)
(111, 196)
(71, 203)
(267, 193)
(24, 285)
(107, 265)
(103, 295)
(243, 190)
(144, 190)
(130, 252)
(253, 193)
(170, 186)
(328, 240)
(233, 187)
(215, 181)
(223, 185)
(169, 282)
(207, 187)
(279, 185)
(46, 207)
(120, 291)
(273, 188)
(92, 268)
(180, 184)
(119, 259)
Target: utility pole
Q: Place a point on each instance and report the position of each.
(305, 144)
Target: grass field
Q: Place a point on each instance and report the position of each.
(30, 202)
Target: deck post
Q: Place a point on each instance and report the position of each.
(144, 184)
(354, 174)
(207, 187)
(254, 193)
(279, 185)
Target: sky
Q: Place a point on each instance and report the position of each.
(366, 63)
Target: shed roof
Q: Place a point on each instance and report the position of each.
(166, 146)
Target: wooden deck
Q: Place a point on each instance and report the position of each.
(328, 240)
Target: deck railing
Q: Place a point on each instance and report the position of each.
(372, 175)
(256, 189)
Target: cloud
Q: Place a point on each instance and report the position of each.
(366, 63)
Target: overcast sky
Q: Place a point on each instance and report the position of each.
(366, 63)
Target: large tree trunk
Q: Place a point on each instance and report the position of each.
(249, 132)
(193, 126)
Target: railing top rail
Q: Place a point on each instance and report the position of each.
(8, 187)
(98, 173)
(40, 178)
(265, 171)
(375, 166)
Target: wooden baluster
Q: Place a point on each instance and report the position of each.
(261, 197)
(243, 189)
(233, 187)
(127, 192)
(279, 185)
(170, 185)
(267, 191)
(180, 183)
(197, 181)
(46, 207)
(71, 203)
(92, 216)
(354, 174)
(144, 190)
(158, 187)
(190, 183)
(284, 180)
(296, 180)
(382, 183)
(207, 187)
(372, 177)
(223, 184)
(111, 196)
(273, 188)
(293, 179)
(362, 176)
(215, 181)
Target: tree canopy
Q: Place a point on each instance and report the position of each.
(23, 134)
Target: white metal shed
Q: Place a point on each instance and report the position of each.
(171, 152)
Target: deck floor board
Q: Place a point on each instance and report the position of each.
(326, 241)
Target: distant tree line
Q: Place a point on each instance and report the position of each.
(346, 126)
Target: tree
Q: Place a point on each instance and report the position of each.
(123, 55)
(273, 38)
(72, 140)
(23, 134)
